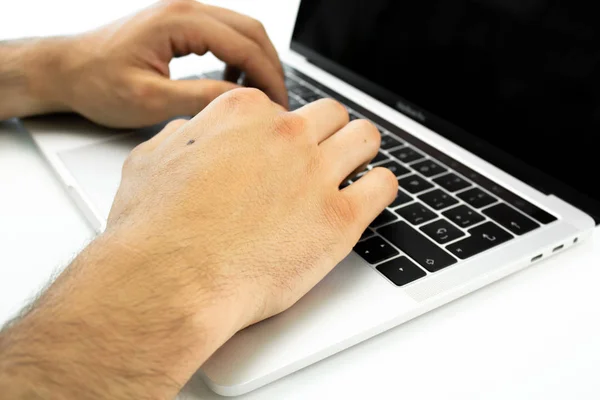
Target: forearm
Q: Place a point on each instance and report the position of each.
(31, 72)
(110, 334)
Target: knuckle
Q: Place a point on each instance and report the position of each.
(249, 53)
(366, 126)
(369, 130)
(134, 156)
(177, 6)
(257, 26)
(175, 124)
(388, 179)
(147, 95)
(340, 108)
(289, 125)
(244, 96)
(340, 211)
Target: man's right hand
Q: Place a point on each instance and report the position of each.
(250, 194)
(219, 223)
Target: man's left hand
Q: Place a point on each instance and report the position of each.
(119, 76)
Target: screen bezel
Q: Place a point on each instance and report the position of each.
(516, 167)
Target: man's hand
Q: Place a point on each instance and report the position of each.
(253, 193)
(118, 75)
(219, 223)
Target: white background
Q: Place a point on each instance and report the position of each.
(534, 335)
(26, 18)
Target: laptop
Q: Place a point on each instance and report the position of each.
(488, 112)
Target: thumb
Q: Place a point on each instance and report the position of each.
(189, 97)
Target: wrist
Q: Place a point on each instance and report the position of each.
(159, 304)
(47, 66)
(32, 77)
(115, 312)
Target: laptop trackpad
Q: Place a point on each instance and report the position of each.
(97, 167)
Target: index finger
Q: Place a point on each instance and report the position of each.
(204, 33)
(247, 26)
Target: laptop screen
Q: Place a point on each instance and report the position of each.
(515, 81)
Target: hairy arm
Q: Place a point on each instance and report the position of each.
(138, 334)
(29, 74)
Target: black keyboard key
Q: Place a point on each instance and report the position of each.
(401, 271)
(498, 190)
(401, 198)
(482, 238)
(512, 220)
(416, 246)
(438, 199)
(416, 213)
(395, 167)
(379, 158)
(428, 168)
(477, 198)
(387, 142)
(375, 250)
(414, 184)
(534, 212)
(407, 154)
(519, 203)
(442, 231)
(463, 216)
(528, 208)
(452, 182)
(366, 234)
(383, 218)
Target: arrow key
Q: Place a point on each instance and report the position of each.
(375, 250)
(401, 271)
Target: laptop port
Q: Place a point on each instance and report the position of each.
(558, 248)
(536, 257)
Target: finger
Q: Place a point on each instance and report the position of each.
(323, 118)
(189, 97)
(204, 33)
(349, 148)
(248, 27)
(371, 194)
(169, 129)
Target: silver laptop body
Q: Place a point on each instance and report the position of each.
(429, 259)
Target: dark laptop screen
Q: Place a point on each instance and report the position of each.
(521, 75)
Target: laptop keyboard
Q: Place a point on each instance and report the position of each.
(444, 212)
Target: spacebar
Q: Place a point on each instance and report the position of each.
(417, 246)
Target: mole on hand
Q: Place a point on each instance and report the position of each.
(192, 141)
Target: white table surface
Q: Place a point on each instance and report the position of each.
(534, 335)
